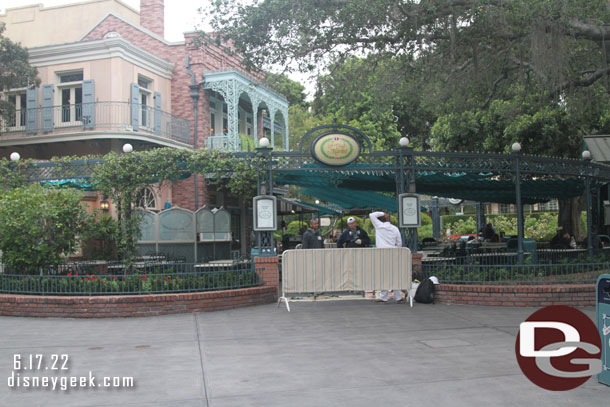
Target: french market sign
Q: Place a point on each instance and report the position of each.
(336, 149)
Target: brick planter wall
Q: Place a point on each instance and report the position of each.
(132, 305)
(517, 295)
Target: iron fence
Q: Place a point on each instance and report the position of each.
(453, 273)
(143, 279)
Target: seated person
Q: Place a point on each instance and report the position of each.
(561, 240)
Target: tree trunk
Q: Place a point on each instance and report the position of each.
(569, 216)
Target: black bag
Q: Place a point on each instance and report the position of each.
(425, 292)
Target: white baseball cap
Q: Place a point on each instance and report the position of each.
(350, 219)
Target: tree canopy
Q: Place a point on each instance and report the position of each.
(453, 74)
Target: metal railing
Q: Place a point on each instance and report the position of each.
(100, 116)
(512, 273)
(146, 279)
(226, 143)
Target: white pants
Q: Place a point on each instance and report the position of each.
(384, 295)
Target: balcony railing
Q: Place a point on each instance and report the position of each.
(98, 116)
(226, 143)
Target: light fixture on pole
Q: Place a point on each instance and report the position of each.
(15, 156)
(317, 202)
(586, 155)
(104, 205)
(127, 148)
(264, 142)
(404, 142)
(516, 147)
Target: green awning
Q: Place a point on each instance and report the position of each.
(353, 199)
(479, 187)
(80, 183)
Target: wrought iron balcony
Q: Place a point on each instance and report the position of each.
(98, 116)
(226, 143)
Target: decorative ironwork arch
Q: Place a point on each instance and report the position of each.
(359, 135)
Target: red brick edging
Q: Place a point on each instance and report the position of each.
(517, 295)
(132, 305)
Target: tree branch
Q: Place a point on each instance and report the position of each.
(529, 66)
(586, 81)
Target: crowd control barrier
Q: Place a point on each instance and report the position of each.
(317, 271)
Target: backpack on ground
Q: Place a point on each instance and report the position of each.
(425, 293)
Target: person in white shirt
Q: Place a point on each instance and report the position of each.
(386, 235)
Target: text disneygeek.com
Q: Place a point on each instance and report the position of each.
(58, 363)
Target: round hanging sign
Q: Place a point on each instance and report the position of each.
(336, 149)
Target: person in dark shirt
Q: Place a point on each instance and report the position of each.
(354, 236)
(312, 238)
(561, 240)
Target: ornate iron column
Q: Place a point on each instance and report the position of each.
(436, 219)
(481, 221)
(517, 156)
(586, 155)
(406, 183)
(264, 186)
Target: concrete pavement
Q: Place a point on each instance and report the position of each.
(326, 353)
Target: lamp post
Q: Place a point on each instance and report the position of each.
(127, 148)
(516, 147)
(406, 183)
(15, 156)
(586, 156)
(264, 186)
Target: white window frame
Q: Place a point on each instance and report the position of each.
(142, 195)
(146, 109)
(72, 86)
(19, 93)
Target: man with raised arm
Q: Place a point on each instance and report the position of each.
(386, 235)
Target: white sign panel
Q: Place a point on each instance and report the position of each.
(265, 213)
(408, 211)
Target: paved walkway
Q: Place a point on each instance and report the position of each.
(330, 353)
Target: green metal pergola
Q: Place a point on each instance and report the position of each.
(375, 178)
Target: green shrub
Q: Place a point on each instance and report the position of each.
(38, 226)
(294, 227)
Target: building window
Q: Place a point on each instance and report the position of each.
(71, 77)
(17, 118)
(146, 199)
(145, 85)
(217, 120)
(71, 94)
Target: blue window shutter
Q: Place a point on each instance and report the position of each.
(135, 106)
(88, 104)
(48, 91)
(158, 113)
(31, 122)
